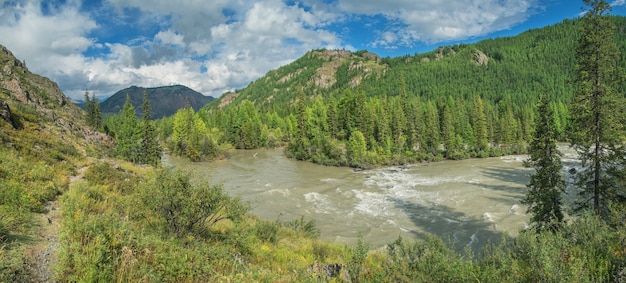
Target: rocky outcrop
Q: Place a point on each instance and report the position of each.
(228, 99)
(480, 58)
(19, 86)
(5, 114)
(27, 87)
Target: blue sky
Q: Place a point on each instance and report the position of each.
(216, 46)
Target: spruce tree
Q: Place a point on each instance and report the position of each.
(128, 134)
(87, 106)
(546, 183)
(479, 125)
(95, 112)
(597, 126)
(150, 149)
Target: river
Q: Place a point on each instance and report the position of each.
(465, 202)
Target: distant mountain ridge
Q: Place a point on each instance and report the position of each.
(164, 100)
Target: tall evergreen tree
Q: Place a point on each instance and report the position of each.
(93, 114)
(150, 149)
(299, 145)
(546, 183)
(128, 134)
(598, 124)
(479, 124)
(97, 112)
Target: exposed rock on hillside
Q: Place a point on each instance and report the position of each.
(5, 114)
(18, 86)
(480, 58)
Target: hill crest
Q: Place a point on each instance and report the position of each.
(164, 100)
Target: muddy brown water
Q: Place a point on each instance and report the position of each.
(465, 202)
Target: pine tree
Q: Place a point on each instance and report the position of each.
(597, 128)
(93, 115)
(182, 128)
(150, 150)
(356, 149)
(479, 124)
(546, 183)
(96, 112)
(87, 106)
(300, 147)
(128, 134)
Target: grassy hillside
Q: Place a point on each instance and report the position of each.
(43, 143)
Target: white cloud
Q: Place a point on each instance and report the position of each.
(433, 21)
(232, 42)
(236, 41)
(618, 3)
(170, 37)
(30, 34)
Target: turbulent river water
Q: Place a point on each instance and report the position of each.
(465, 202)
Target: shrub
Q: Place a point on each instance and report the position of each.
(267, 231)
(184, 209)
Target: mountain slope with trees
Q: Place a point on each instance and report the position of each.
(472, 100)
(520, 67)
(165, 100)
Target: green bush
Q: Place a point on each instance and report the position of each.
(267, 231)
(184, 209)
(307, 228)
(114, 177)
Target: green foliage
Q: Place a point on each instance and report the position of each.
(597, 129)
(112, 176)
(306, 228)
(356, 149)
(355, 265)
(424, 261)
(127, 133)
(150, 148)
(546, 183)
(12, 263)
(267, 231)
(183, 209)
(93, 114)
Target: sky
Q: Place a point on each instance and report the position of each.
(216, 46)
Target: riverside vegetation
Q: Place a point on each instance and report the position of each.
(125, 222)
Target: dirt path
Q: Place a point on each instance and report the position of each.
(44, 251)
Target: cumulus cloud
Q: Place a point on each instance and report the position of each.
(219, 45)
(211, 46)
(433, 21)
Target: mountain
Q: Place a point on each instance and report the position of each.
(165, 100)
(520, 67)
(29, 101)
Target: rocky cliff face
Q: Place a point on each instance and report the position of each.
(25, 86)
(45, 102)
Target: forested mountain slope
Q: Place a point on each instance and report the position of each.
(522, 66)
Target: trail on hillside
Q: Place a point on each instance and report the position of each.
(44, 252)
